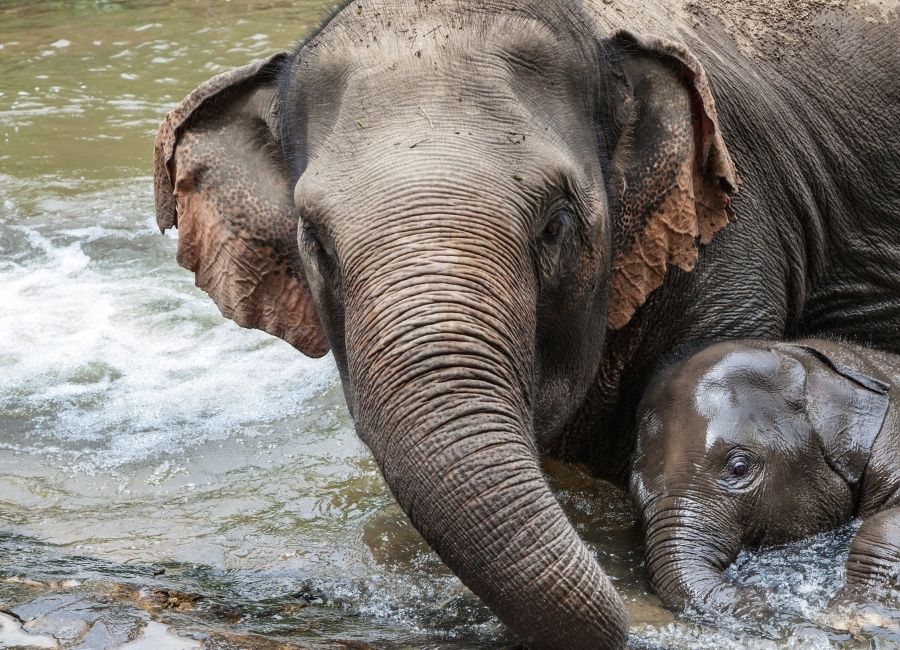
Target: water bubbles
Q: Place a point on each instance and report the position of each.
(801, 577)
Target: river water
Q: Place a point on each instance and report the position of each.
(168, 479)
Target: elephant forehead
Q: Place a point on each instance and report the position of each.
(378, 43)
(440, 170)
(748, 395)
(414, 106)
(413, 68)
(420, 26)
(418, 104)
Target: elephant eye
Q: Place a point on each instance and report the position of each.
(739, 467)
(739, 471)
(311, 239)
(554, 228)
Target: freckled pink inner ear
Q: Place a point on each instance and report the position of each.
(216, 158)
(668, 237)
(246, 280)
(677, 195)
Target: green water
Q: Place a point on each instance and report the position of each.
(160, 464)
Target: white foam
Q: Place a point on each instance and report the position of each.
(110, 355)
(801, 577)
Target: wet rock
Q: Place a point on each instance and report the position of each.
(223, 641)
(178, 601)
(107, 635)
(66, 617)
(157, 636)
(13, 636)
(62, 616)
(61, 625)
(16, 589)
(309, 594)
(91, 619)
(116, 624)
(45, 605)
(26, 582)
(158, 601)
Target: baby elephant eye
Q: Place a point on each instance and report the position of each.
(739, 471)
(739, 467)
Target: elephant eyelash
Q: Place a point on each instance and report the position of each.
(323, 259)
(313, 241)
(561, 195)
(311, 236)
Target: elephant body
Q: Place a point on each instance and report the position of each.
(818, 165)
(750, 443)
(500, 216)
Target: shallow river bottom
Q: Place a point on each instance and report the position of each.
(284, 536)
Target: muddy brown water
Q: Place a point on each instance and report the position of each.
(168, 479)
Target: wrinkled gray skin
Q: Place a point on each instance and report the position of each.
(755, 443)
(499, 205)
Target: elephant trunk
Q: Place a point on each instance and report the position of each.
(438, 352)
(689, 546)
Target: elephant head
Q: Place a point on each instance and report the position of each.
(747, 444)
(457, 198)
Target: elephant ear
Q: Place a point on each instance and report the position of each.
(846, 408)
(219, 178)
(673, 176)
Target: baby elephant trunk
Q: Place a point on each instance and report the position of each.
(688, 550)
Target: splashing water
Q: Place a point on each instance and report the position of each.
(106, 363)
(158, 461)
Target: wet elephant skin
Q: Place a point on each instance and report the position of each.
(500, 216)
(751, 443)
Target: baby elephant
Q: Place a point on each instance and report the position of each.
(753, 443)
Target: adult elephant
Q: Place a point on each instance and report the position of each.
(506, 216)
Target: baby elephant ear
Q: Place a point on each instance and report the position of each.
(672, 175)
(846, 408)
(220, 180)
